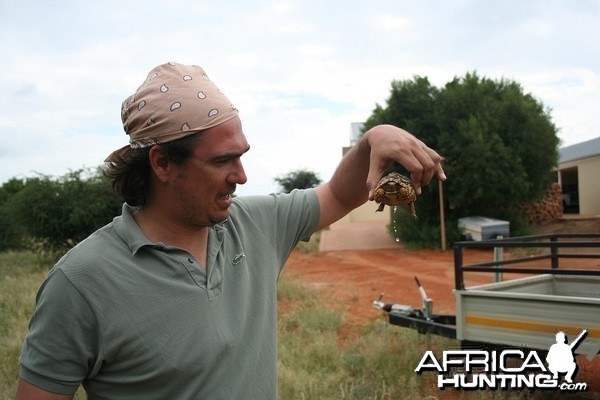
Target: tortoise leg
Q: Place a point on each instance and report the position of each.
(380, 208)
(413, 212)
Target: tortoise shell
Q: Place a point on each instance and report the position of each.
(395, 189)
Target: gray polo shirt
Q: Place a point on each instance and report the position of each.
(130, 319)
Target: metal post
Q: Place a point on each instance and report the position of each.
(498, 257)
(554, 253)
(458, 273)
(442, 216)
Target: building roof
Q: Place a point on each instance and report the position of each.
(587, 149)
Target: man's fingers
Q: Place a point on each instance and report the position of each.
(392, 145)
(416, 177)
(429, 165)
(441, 174)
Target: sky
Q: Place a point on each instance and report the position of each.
(299, 71)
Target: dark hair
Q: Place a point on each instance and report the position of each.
(130, 175)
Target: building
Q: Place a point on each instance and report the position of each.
(366, 212)
(578, 174)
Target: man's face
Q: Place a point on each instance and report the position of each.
(205, 183)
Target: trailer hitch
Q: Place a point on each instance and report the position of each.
(423, 320)
(425, 312)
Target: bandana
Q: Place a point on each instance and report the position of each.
(173, 102)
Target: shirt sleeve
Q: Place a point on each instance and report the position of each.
(61, 348)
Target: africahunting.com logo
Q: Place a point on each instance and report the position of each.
(508, 368)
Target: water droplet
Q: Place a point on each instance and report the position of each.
(395, 223)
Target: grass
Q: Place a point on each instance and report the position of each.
(321, 356)
(20, 276)
(311, 246)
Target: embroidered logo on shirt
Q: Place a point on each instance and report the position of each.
(238, 258)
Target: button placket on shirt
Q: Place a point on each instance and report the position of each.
(214, 262)
(208, 278)
(196, 271)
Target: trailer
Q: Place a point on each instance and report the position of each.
(482, 228)
(535, 293)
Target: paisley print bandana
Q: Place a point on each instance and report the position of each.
(174, 101)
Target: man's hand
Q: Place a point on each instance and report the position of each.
(362, 167)
(390, 144)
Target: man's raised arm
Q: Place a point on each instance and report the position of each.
(361, 168)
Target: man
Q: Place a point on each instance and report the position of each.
(176, 298)
(560, 357)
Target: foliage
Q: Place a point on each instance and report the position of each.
(312, 245)
(501, 142)
(298, 179)
(55, 212)
(499, 146)
(411, 106)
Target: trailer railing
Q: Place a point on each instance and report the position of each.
(560, 245)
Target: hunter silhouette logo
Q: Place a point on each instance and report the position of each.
(560, 356)
(506, 369)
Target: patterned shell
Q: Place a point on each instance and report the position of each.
(395, 189)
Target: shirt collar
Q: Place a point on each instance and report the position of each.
(130, 232)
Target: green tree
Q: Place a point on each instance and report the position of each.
(299, 179)
(498, 142)
(58, 212)
(500, 146)
(9, 188)
(411, 106)
(11, 232)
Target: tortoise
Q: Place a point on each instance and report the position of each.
(395, 189)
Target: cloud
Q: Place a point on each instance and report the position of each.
(300, 72)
